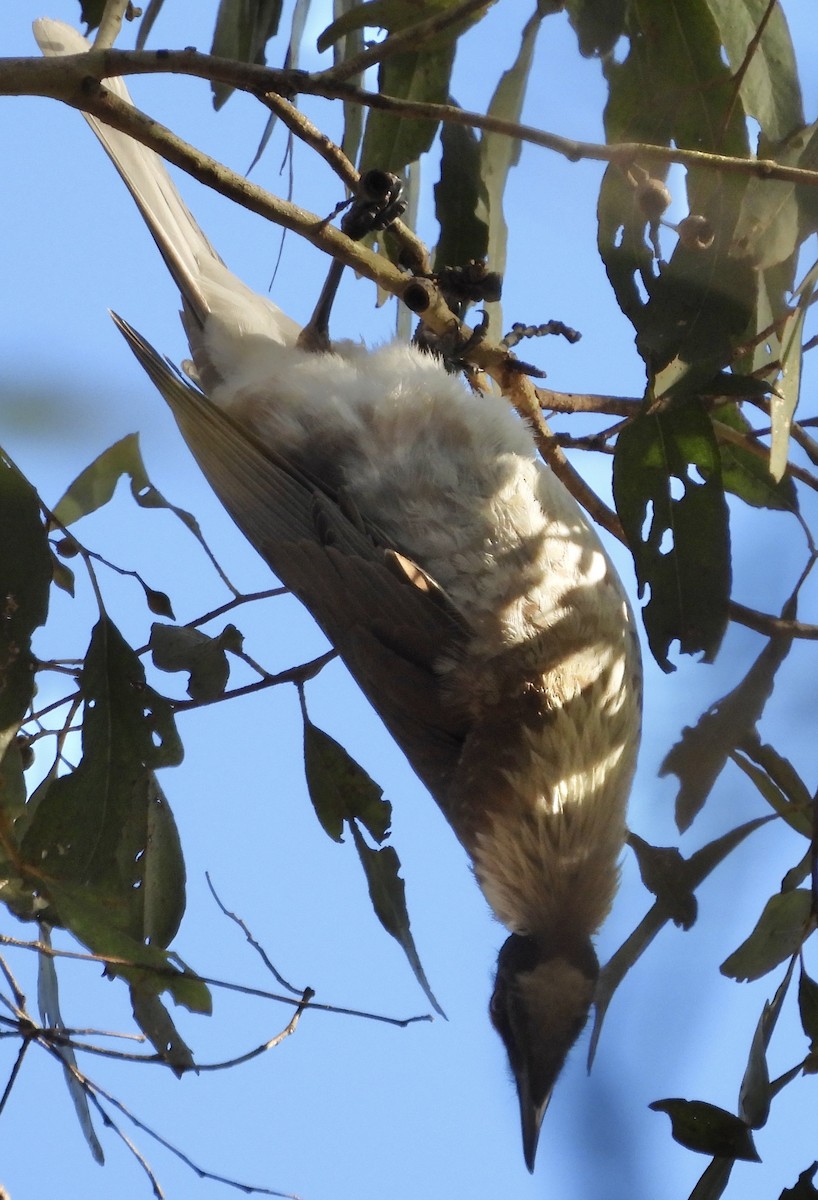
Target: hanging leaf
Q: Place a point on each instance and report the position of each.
(780, 933)
(48, 1000)
(342, 792)
(700, 755)
(598, 26)
(714, 1180)
(387, 892)
(498, 153)
(155, 1022)
(180, 648)
(25, 579)
(461, 200)
(785, 400)
(804, 1188)
(243, 28)
(707, 1129)
(808, 1008)
(105, 826)
(744, 473)
(340, 789)
(665, 873)
(675, 519)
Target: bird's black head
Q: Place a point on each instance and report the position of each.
(542, 995)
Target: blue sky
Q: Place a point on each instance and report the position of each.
(352, 1108)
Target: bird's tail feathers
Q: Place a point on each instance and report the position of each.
(206, 284)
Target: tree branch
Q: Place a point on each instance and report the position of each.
(63, 79)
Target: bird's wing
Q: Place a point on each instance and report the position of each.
(388, 623)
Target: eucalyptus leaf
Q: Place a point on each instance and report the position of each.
(779, 933)
(387, 892)
(701, 753)
(804, 1188)
(181, 648)
(242, 30)
(676, 523)
(155, 1022)
(25, 580)
(708, 1129)
(98, 827)
(48, 1000)
(665, 873)
(340, 789)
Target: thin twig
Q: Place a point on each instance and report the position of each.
(299, 674)
(67, 78)
(94, 1091)
(274, 1041)
(259, 949)
(242, 989)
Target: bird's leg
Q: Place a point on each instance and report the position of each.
(376, 204)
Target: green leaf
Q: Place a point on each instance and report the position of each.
(25, 579)
(779, 784)
(783, 404)
(163, 880)
(744, 473)
(598, 24)
(388, 894)
(180, 648)
(344, 48)
(342, 792)
(242, 30)
(769, 81)
(422, 75)
(91, 13)
(340, 789)
(105, 826)
(701, 753)
(780, 933)
(755, 1094)
(391, 142)
(808, 1008)
(699, 304)
(88, 916)
(48, 1000)
(392, 15)
(461, 200)
(769, 228)
(707, 1129)
(714, 1180)
(155, 1022)
(677, 527)
(498, 153)
(95, 486)
(804, 1189)
(665, 873)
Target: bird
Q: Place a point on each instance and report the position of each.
(464, 588)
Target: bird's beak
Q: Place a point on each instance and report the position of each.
(531, 1117)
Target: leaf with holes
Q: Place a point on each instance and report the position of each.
(668, 493)
(105, 826)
